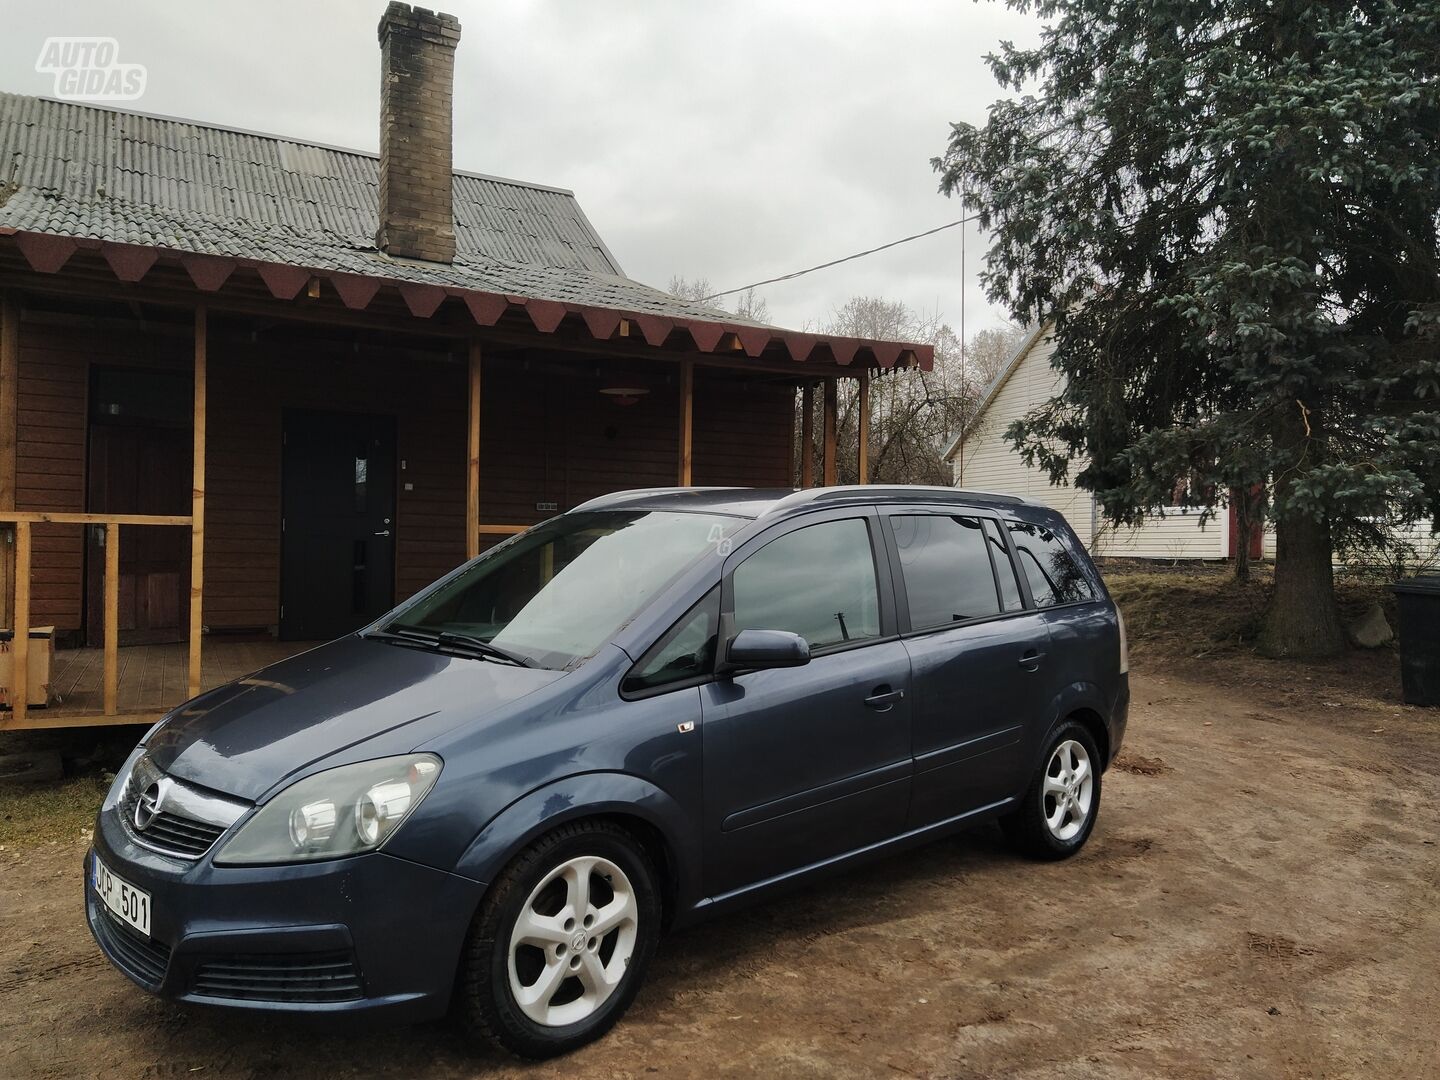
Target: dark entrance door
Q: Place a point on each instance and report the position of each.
(338, 554)
(139, 463)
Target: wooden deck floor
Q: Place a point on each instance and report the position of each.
(152, 677)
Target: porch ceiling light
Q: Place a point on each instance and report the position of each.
(624, 395)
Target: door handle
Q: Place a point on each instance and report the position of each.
(385, 533)
(1031, 660)
(883, 698)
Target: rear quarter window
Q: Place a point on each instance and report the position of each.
(1054, 572)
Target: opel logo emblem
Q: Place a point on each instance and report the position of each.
(148, 805)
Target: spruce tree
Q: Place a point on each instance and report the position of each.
(1229, 209)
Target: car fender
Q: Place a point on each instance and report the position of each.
(1072, 698)
(580, 796)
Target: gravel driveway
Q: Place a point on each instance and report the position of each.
(1261, 898)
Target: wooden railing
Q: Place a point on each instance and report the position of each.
(20, 644)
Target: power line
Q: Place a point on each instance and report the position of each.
(847, 258)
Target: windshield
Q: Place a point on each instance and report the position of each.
(557, 593)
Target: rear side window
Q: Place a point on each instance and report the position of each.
(947, 571)
(1004, 568)
(818, 582)
(1053, 571)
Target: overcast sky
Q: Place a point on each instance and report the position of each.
(731, 139)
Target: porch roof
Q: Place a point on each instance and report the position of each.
(142, 188)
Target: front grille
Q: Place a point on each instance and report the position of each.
(171, 816)
(144, 960)
(170, 831)
(283, 977)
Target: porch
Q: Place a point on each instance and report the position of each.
(158, 449)
(149, 680)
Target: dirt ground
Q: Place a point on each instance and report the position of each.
(1261, 898)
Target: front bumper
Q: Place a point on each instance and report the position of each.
(362, 934)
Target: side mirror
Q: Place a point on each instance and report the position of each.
(767, 649)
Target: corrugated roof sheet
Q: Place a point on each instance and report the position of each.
(98, 173)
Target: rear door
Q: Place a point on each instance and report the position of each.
(978, 658)
(803, 764)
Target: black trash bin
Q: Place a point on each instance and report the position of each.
(1419, 602)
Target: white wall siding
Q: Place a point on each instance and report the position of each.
(1177, 535)
(985, 460)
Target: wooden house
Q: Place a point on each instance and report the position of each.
(255, 391)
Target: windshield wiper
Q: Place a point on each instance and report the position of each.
(448, 638)
(450, 641)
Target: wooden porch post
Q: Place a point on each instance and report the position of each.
(112, 619)
(197, 505)
(862, 410)
(831, 422)
(472, 476)
(20, 644)
(9, 437)
(687, 418)
(807, 436)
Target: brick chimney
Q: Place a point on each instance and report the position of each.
(417, 69)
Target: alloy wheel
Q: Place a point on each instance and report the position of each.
(572, 942)
(1068, 790)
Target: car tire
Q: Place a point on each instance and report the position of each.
(533, 977)
(1058, 810)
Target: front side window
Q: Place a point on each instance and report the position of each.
(946, 568)
(818, 582)
(1053, 571)
(686, 652)
(557, 593)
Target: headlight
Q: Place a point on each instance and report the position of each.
(122, 780)
(338, 812)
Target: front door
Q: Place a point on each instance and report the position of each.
(139, 463)
(338, 525)
(803, 764)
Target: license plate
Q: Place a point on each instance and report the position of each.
(130, 905)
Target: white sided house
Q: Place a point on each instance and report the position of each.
(982, 459)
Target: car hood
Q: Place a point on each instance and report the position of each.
(244, 738)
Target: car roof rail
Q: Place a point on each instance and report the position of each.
(617, 498)
(891, 492)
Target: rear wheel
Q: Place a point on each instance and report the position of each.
(562, 941)
(1058, 810)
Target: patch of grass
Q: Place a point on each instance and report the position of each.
(35, 814)
(1191, 611)
(1197, 618)
(1186, 612)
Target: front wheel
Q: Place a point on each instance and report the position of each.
(1058, 810)
(561, 942)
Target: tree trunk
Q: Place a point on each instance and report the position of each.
(1303, 619)
(1247, 503)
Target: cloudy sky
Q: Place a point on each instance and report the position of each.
(732, 140)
